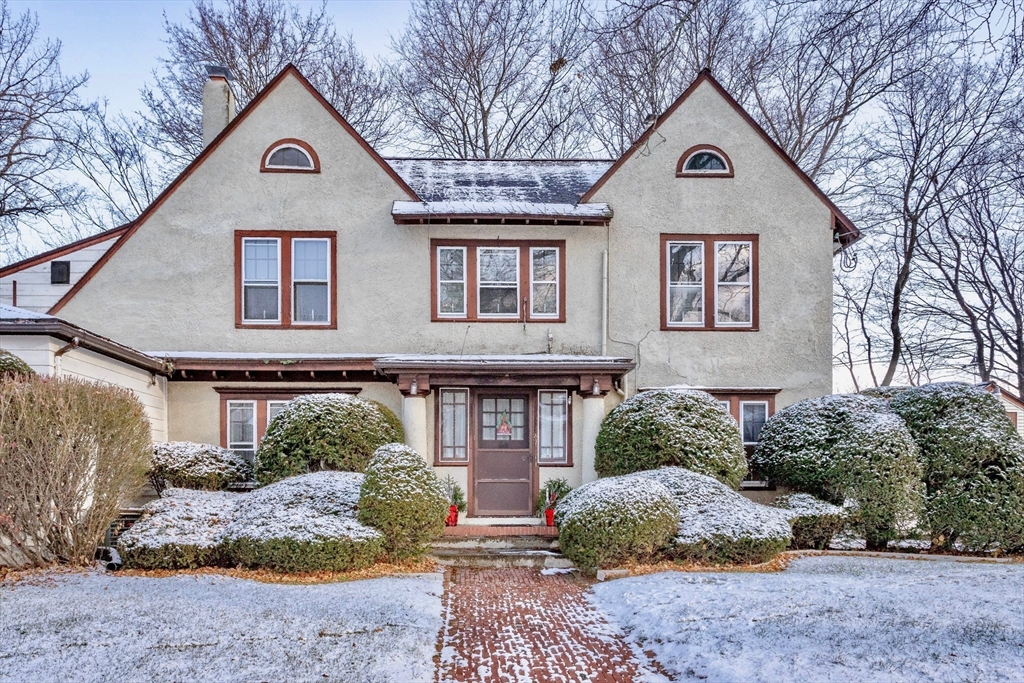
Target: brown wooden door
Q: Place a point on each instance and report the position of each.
(503, 462)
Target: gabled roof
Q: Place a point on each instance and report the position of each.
(69, 248)
(847, 232)
(290, 69)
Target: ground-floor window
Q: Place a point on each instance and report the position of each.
(242, 428)
(751, 409)
(453, 429)
(553, 427)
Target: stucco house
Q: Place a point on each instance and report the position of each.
(501, 308)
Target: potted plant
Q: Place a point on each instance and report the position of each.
(552, 492)
(456, 501)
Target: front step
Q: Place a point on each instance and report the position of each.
(549, 543)
(499, 558)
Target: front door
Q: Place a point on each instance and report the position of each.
(503, 466)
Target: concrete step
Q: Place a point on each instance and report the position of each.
(496, 543)
(500, 558)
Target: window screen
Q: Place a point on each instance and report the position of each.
(451, 281)
(260, 279)
(498, 293)
(686, 283)
(60, 272)
(310, 280)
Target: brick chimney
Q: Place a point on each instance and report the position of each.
(218, 102)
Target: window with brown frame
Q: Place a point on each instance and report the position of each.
(290, 155)
(709, 282)
(751, 411)
(285, 279)
(501, 281)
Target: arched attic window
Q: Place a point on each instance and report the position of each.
(704, 161)
(290, 156)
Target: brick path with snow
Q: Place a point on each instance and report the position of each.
(518, 626)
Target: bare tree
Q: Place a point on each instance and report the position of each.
(37, 103)
(492, 79)
(256, 39)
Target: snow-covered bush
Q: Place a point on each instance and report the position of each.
(324, 432)
(814, 521)
(12, 366)
(402, 498)
(187, 465)
(608, 521)
(181, 530)
(846, 446)
(716, 524)
(973, 465)
(302, 524)
(667, 427)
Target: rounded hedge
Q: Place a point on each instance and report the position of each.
(815, 523)
(187, 465)
(181, 530)
(716, 524)
(302, 524)
(667, 427)
(973, 465)
(324, 432)
(610, 521)
(12, 366)
(842, 447)
(403, 499)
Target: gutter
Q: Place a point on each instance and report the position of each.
(60, 329)
(73, 344)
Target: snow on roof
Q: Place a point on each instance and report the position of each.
(13, 313)
(544, 181)
(501, 208)
(531, 358)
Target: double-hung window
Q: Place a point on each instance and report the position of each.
(709, 282)
(553, 427)
(498, 280)
(753, 415)
(242, 428)
(285, 279)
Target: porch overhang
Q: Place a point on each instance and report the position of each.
(587, 374)
(192, 366)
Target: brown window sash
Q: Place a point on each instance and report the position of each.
(285, 283)
(709, 283)
(472, 284)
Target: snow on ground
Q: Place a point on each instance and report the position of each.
(829, 619)
(104, 627)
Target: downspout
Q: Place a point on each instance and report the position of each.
(73, 344)
(604, 303)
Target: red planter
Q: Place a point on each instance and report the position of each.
(549, 514)
(453, 516)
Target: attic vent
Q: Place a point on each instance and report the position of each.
(60, 272)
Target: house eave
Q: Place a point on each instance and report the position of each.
(65, 331)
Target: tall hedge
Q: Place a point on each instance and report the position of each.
(973, 464)
(843, 447)
(402, 498)
(324, 432)
(666, 427)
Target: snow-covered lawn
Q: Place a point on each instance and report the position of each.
(829, 619)
(102, 627)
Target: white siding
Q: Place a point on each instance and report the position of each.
(35, 292)
(38, 350)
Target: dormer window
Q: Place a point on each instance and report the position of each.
(705, 161)
(290, 156)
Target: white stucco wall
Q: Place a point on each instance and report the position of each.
(35, 293)
(151, 390)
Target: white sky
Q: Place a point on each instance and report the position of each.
(119, 41)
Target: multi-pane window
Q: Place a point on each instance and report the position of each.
(451, 281)
(242, 428)
(753, 415)
(544, 282)
(454, 426)
(709, 282)
(732, 283)
(498, 281)
(686, 283)
(285, 279)
(553, 427)
(261, 279)
(503, 419)
(311, 280)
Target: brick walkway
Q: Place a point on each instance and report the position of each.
(517, 626)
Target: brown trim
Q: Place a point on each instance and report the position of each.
(59, 329)
(737, 396)
(525, 306)
(14, 293)
(280, 393)
(498, 219)
(705, 75)
(285, 285)
(289, 69)
(710, 311)
(438, 462)
(568, 430)
(66, 249)
(683, 173)
(295, 142)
